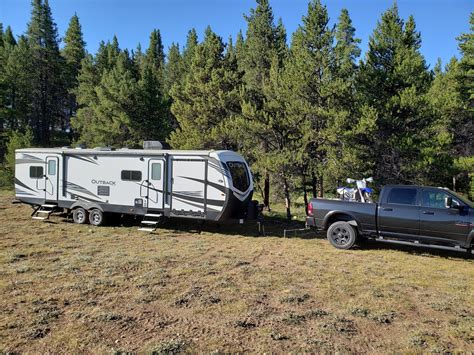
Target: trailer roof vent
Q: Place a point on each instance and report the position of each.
(81, 146)
(154, 145)
(104, 149)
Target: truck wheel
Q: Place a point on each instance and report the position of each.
(79, 215)
(96, 217)
(341, 235)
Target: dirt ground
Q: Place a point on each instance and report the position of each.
(70, 288)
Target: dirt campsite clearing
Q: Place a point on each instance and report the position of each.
(68, 288)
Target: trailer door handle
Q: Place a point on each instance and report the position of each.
(387, 209)
(427, 212)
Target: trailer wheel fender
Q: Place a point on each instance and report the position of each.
(86, 205)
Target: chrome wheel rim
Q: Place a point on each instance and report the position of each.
(96, 218)
(80, 216)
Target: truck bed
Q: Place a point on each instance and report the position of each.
(324, 210)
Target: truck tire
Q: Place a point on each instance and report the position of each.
(341, 235)
(96, 217)
(79, 215)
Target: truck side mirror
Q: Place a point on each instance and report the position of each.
(448, 202)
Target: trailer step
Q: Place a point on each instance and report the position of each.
(43, 212)
(153, 215)
(150, 222)
(145, 229)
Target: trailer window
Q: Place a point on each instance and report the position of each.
(156, 171)
(240, 176)
(36, 172)
(52, 167)
(131, 175)
(402, 196)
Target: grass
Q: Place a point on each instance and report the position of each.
(71, 288)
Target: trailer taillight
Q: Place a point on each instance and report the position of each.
(310, 208)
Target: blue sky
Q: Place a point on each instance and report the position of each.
(439, 21)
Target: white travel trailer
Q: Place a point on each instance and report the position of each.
(153, 183)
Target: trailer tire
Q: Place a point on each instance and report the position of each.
(341, 235)
(79, 215)
(96, 217)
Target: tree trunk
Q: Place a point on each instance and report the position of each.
(314, 184)
(305, 193)
(454, 183)
(321, 187)
(287, 199)
(266, 192)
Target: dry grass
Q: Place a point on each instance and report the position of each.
(70, 288)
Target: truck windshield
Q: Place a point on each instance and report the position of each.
(240, 176)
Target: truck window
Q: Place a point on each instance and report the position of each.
(402, 196)
(239, 174)
(436, 199)
(131, 175)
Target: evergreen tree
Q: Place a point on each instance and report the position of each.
(394, 80)
(188, 51)
(152, 116)
(113, 116)
(45, 75)
(86, 96)
(73, 53)
(173, 68)
(206, 99)
(262, 41)
(311, 90)
(342, 146)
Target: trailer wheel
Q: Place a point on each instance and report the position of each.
(341, 235)
(79, 215)
(96, 217)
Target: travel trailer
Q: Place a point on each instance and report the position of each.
(153, 183)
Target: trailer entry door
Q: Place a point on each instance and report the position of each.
(51, 177)
(156, 178)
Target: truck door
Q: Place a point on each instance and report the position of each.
(156, 179)
(51, 179)
(441, 223)
(399, 213)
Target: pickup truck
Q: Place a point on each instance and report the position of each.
(404, 214)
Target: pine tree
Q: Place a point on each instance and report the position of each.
(113, 116)
(152, 116)
(173, 68)
(88, 79)
(206, 99)
(262, 41)
(188, 51)
(394, 80)
(311, 90)
(73, 53)
(45, 75)
(342, 146)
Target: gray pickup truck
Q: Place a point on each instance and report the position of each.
(415, 215)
